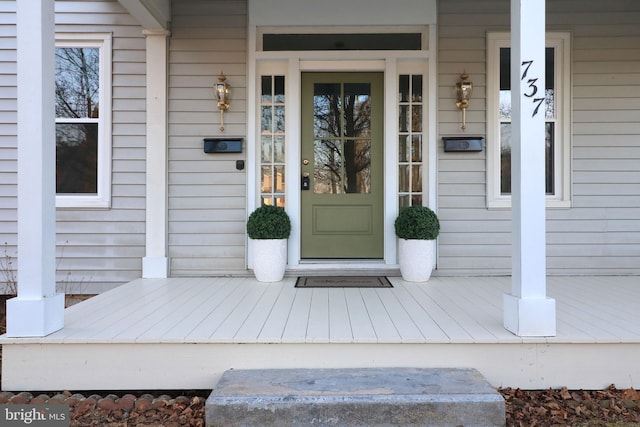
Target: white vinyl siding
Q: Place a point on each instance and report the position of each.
(207, 194)
(101, 248)
(97, 249)
(600, 233)
(8, 132)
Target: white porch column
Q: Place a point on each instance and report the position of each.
(37, 310)
(527, 310)
(156, 262)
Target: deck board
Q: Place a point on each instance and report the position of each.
(363, 330)
(450, 327)
(340, 329)
(239, 315)
(404, 324)
(276, 321)
(318, 325)
(381, 321)
(295, 329)
(255, 322)
(421, 318)
(193, 316)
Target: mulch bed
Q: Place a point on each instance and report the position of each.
(611, 407)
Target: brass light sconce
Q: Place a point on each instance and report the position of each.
(223, 91)
(463, 92)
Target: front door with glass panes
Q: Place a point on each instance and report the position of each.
(342, 150)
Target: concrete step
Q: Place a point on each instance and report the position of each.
(354, 397)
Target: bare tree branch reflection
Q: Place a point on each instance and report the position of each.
(342, 115)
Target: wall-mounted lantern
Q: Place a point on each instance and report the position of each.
(223, 91)
(463, 92)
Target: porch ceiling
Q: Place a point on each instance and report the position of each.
(151, 14)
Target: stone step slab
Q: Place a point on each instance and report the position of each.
(355, 397)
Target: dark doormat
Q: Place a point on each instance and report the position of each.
(343, 282)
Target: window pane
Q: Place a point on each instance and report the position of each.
(77, 158)
(505, 158)
(266, 149)
(327, 176)
(403, 148)
(327, 110)
(266, 125)
(357, 109)
(416, 178)
(403, 83)
(549, 158)
(341, 41)
(403, 179)
(77, 82)
(357, 166)
(416, 148)
(279, 89)
(279, 178)
(278, 150)
(416, 118)
(279, 119)
(416, 88)
(404, 118)
(505, 104)
(266, 182)
(266, 90)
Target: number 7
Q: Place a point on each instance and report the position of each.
(526, 70)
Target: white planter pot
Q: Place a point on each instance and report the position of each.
(417, 259)
(269, 259)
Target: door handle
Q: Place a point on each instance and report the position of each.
(306, 182)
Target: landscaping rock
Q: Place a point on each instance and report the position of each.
(525, 408)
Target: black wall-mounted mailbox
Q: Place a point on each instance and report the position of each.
(223, 145)
(462, 143)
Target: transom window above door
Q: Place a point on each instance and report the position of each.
(341, 41)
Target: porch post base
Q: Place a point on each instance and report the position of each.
(530, 317)
(155, 267)
(35, 317)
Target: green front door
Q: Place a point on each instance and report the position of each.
(342, 162)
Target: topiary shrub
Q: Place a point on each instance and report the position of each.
(269, 222)
(417, 223)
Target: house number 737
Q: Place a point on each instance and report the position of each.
(532, 86)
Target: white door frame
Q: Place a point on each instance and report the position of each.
(292, 64)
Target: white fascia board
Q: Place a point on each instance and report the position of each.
(151, 14)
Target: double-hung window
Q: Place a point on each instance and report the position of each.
(83, 120)
(556, 107)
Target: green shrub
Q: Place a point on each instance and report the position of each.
(269, 222)
(417, 222)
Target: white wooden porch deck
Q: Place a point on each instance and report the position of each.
(185, 332)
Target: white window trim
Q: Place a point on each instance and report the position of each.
(561, 198)
(102, 199)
